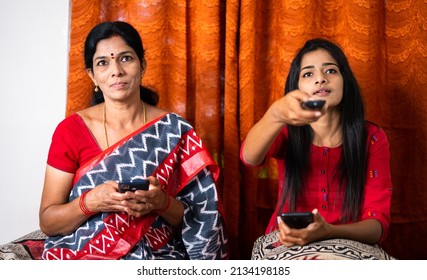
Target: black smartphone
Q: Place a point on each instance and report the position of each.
(140, 184)
(313, 104)
(297, 220)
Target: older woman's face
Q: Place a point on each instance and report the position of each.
(320, 76)
(116, 69)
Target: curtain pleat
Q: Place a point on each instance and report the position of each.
(232, 190)
(404, 110)
(221, 63)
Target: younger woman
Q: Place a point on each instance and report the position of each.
(331, 161)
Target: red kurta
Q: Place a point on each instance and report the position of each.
(322, 189)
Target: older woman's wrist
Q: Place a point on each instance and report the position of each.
(166, 203)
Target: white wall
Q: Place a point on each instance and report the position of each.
(34, 41)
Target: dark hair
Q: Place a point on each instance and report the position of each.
(353, 159)
(131, 36)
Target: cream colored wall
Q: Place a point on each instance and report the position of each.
(33, 84)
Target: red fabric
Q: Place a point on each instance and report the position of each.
(72, 145)
(322, 191)
(34, 248)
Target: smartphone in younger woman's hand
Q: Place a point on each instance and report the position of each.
(297, 220)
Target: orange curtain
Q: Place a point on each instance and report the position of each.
(220, 64)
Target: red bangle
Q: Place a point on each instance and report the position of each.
(83, 205)
(168, 203)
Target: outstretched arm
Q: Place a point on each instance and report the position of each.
(286, 110)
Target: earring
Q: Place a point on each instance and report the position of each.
(96, 88)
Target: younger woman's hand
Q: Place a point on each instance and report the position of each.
(314, 231)
(288, 109)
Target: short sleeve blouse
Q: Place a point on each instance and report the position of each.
(72, 145)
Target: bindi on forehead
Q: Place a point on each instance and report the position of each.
(112, 55)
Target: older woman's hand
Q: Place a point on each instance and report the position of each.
(141, 202)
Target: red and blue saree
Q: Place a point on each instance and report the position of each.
(169, 149)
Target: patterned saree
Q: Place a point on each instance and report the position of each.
(169, 149)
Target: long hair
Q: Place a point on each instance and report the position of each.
(130, 35)
(352, 120)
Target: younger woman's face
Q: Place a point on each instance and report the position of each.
(320, 77)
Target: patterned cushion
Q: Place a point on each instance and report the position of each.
(27, 247)
(268, 247)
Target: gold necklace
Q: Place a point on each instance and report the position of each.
(104, 120)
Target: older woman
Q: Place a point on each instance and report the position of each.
(125, 137)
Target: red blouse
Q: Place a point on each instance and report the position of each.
(322, 186)
(72, 145)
